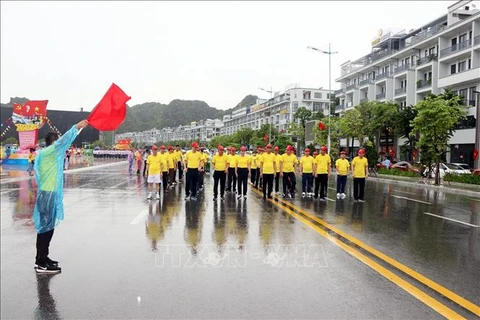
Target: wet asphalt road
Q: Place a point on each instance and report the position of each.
(123, 257)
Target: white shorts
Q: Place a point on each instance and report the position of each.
(154, 178)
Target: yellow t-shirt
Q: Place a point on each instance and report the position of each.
(220, 162)
(323, 163)
(193, 159)
(164, 160)
(253, 162)
(178, 155)
(171, 160)
(358, 167)
(153, 164)
(288, 162)
(31, 157)
(204, 158)
(267, 161)
(278, 159)
(243, 162)
(307, 164)
(232, 160)
(342, 166)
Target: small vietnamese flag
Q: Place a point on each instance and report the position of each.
(475, 154)
(110, 112)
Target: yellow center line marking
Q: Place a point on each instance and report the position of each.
(412, 273)
(409, 288)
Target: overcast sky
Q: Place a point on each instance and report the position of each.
(70, 52)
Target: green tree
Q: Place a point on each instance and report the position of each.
(404, 129)
(321, 136)
(437, 117)
(353, 126)
(244, 136)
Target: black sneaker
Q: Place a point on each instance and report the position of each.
(52, 262)
(47, 268)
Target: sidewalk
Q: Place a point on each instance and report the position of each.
(453, 187)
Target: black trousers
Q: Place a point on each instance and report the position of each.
(180, 170)
(43, 244)
(289, 183)
(277, 182)
(219, 176)
(267, 184)
(165, 180)
(359, 188)
(257, 178)
(191, 183)
(242, 181)
(322, 184)
(341, 182)
(232, 180)
(253, 176)
(144, 167)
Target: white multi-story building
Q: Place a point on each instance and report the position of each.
(278, 111)
(202, 131)
(405, 66)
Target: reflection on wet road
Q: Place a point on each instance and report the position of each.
(125, 257)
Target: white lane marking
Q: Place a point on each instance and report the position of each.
(140, 216)
(331, 200)
(405, 198)
(405, 192)
(453, 220)
(119, 184)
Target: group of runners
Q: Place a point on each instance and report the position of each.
(265, 167)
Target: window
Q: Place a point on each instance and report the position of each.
(317, 106)
(295, 106)
(430, 75)
(431, 50)
(454, 41)
(387, 69)
(461, 66)
(407, 61)
(470, 35)
(328, 95)
(453, 69)
(469, 64)
(426, 53)
(318, 95)
(462, 38)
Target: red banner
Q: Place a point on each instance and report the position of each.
(475, 154)
(30, 116)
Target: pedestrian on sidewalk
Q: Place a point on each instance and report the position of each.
(267, 171)
(220, 171)
(164, 165)
(343, 167)
(232, 178)
(278, 160)
(241, 171)
(288, 168)
(306, 168)
(360, 174)
(322, 170)
(193, 165)
(31, 161)
(48, 210)
(131, 159)
(154, 169)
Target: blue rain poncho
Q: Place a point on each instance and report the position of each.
(49, 176)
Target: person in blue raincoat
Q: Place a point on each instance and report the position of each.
(49, 204)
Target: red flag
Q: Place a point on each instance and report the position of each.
(110, 112)
(475, 154)
(38, 108)
(265, 138)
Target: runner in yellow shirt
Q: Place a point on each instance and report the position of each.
(220, 170)
(201, 177)
(322, 169)
(193, 164)
(242, 169)
(360, 174)
(164, 163)
(343, 166)
(267, 171)
(306, 168)
(153, 170)
(232, 178)
(178, 158)
(288, 168)
(172, 165)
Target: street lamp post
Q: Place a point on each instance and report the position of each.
(329, 52)
(269, 113)
(476, 163)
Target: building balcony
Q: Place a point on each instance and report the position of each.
(426, 59)
(351, 87)
(469, 103)
(400, 91)
(363, 100)
(339, 92)
(382, 76)
(340, 108)
(456, 48)
(476, 41)
(365, 82)
(380, 96)
(424, 83)
(460, 78)
(403, 68)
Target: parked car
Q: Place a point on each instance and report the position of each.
(464, 166)
(448, 168)
(405, 166)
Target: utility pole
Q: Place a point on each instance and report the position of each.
(476, 163)
(269, 113)
(329, 52)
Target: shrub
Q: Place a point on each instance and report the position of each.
(462, 178)
(399, 173)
